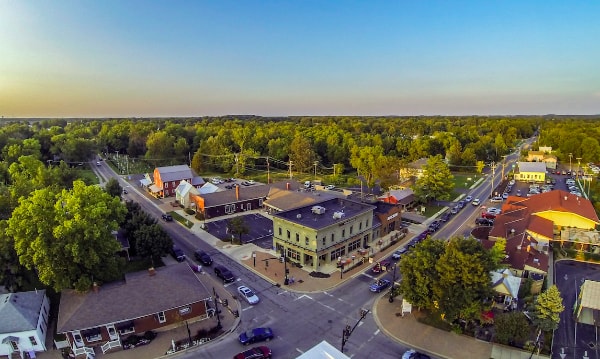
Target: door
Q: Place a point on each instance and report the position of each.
(112, 333)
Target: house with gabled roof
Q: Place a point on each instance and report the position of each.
(530, 171)
(506, 284)
(184, 193)
(23, 323)
(404, 198)
(587, 305)
(143, 301)
(166, 180)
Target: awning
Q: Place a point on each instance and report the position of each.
(124, 325)
(145, 182)
(10, 339)
(91, 332)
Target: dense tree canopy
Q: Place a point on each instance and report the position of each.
(67, 235)
(436, 183)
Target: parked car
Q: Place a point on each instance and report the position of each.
(256, 335)
(413, 354)
(178, 254)
(468, 198)
(251, 182)
(496, 199)
(454, 210)
(330, 187)
(203, 257)
(397, 254)
(476, 202)
(460, 204)
(484, 221)
(167, 217)
(488, 215)
(433, 226)
(379, 285)
(494, 210)
(519, 193)
(505, 195)
(248, 294)
(445, 216)
(98, 164)
(224, 273)
(261, 352)
(380, 266)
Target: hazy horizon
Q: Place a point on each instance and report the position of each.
(87, 59)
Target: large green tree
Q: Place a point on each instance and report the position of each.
(419, 273)
(511, 328)
(152, 242)
(67, 235)
(548, 307)
(436, 183)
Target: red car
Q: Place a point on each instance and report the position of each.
(381, 266)
(261, 352)
(488, 215)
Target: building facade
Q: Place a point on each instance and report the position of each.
(328, 233)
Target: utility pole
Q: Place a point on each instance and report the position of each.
(503, 164)
(237, 166)
(570, 156)
(216, 298)
(268, 172)
(290, 167)
(578, 167)
(315, 164)
(493, 175)
(391, 300)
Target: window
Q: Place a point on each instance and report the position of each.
(360, 226)
(166, 184)
(260, 202)
(293, 254)
(161, 317)
(367, 223)
(306, 240)
(323, 241)
(344, 233)
(337, 253)
(351, 230)
(332, 237)
(230, 208)
(14, 345)
(297, 237)
(33, 341)
(280, 231)
(354, 245)
(173, 184)
(289, 235)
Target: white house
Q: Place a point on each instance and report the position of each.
(23, 323)
(183, 192)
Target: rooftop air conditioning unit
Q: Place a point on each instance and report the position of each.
(298, 216)
(338, 215)
(318, 209)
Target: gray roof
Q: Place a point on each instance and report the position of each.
(139, 295)
(305, 216)
(20, 311)
(197, 181)
(175, 173)
(229, 196)
(531, 166)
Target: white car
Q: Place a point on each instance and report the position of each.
(476, 202)
(494, 210)
(248, 294)
(468, 199)
(496, 199)
(251, 182)
(330, 186)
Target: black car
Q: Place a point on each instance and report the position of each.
(445, 217)
(224, 273)
(256, 335)
(484, 221)
(202, 257)
(167, 217)
(178, 254)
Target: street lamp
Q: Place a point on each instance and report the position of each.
(286, 281)
(349, 330)
(216, 298)
(391, 300)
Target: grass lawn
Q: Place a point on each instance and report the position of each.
(465, 180)
(181, 219)
(88, 176)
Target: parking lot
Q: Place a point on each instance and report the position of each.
(260, 230)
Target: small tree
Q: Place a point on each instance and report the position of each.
(237, 226)
(113, 187)
(511, 327)
(437, 182)
(548, 307)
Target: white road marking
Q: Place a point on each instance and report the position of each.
(376, 332)
(243, 310)
(304, 296)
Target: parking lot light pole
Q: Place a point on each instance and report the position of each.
(286, 281)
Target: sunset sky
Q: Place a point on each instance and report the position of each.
(121, 58)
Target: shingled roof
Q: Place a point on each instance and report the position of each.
(20, 311)
(175, 173)
(140, 295)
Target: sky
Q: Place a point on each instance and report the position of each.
(115, 58)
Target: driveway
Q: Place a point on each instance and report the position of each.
(571, 338)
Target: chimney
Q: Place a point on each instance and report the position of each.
(95, 287)
(151, 271)
(237, 193)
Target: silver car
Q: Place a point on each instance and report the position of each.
(248, 294)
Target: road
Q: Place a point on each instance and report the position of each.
(299, 321)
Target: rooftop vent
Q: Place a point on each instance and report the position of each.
(318, 209)
(338, 215)
(298, 216)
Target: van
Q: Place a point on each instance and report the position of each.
(307, 184)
